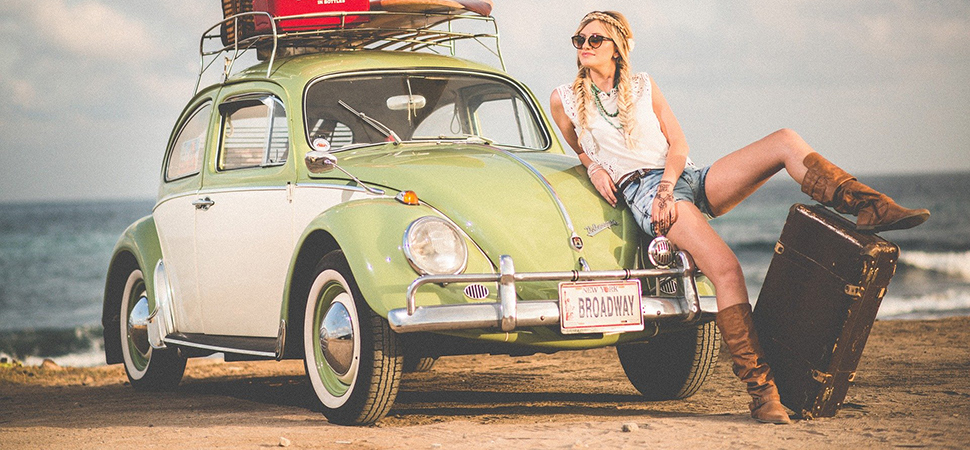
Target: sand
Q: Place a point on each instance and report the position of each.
(912, 391)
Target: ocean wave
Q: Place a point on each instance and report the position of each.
(952, 302)
(950, 263)
(76, 345)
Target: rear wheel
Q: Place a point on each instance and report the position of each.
(352, 357)
(147, 368)
(673, 365)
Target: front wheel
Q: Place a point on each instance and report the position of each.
(352, 357)
(147, 368)
(673, 365)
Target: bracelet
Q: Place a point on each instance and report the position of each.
(593, 168)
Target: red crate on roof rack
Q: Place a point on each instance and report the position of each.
(283, 8)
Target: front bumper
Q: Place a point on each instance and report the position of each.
(509, 314)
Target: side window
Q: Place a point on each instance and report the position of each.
(521, 132)
(185, 156)
(254, 133)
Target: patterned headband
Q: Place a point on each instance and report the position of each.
(608, 19)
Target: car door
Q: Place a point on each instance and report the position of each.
(174, 213)
(244, 237)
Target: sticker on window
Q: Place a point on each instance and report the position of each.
(321, 144)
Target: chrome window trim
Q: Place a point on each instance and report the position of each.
(181, 129)
(533, 106)
(269, 135)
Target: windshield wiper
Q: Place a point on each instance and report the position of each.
(373, 122)
(465, 138)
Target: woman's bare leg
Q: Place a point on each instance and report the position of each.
(691, 232)
(736, 176)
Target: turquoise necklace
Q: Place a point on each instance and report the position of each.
(599, 107)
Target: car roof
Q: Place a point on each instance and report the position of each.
(302, 68)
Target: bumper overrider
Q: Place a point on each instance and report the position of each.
(509, 314)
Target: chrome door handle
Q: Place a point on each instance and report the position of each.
(203, 203)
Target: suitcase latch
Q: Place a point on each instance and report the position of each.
(854, 291)
(779, 247)
(820, 376)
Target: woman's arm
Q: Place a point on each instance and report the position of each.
(664, 214)
(597, 175)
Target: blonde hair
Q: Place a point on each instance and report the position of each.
(617, 29)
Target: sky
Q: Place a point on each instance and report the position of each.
(91, 88)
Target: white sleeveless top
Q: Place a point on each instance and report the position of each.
(606, 145)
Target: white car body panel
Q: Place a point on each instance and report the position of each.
(243, 260)
(175, 223)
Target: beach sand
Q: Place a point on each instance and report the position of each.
(912, 390)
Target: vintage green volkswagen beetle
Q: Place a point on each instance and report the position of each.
(369, 211)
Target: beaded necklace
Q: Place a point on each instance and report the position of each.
(599, 107)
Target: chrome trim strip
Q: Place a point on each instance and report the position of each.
(217, 191)
(343, 187)
(508, 313)
(562, 208)
(218, 348)
(223, 190)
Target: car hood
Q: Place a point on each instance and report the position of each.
(503, 201)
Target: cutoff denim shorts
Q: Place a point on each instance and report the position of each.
(690, 187)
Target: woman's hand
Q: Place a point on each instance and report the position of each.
(603, 183)
(663, 214)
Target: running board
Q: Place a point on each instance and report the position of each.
(240, 345)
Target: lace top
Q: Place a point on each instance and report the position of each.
(605, 144)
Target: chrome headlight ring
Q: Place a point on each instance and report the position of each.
(434, 246)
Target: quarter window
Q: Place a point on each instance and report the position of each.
(185, 156)
(254, 133)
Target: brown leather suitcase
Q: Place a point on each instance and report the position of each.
(817, 306)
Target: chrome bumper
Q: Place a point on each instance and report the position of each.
(509, 314)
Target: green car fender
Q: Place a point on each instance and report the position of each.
(137, 248)
(370, 232)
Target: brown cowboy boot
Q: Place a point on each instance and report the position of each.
(737, 329)
(831, 186)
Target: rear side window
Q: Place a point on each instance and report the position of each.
(185, 156)
(254, 133)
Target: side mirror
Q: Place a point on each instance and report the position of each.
(320, 162)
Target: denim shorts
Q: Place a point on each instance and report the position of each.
(690, 187)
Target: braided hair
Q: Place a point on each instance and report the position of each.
(617, 29)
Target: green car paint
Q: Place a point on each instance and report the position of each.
(140, 240)
(371, 233)
(501, 206)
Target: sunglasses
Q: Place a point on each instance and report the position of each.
(595, 41)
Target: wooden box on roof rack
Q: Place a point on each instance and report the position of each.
(283, 8)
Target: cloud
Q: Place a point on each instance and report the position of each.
(87, 29)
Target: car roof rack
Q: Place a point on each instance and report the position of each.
(379, 30)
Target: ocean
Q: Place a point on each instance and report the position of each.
(54, 258)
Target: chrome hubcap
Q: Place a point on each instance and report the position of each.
(138, 326)
(337, 340)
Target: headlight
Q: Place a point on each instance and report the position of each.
(434, 247)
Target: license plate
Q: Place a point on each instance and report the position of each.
(600, 307)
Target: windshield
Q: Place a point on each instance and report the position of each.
(422, 106)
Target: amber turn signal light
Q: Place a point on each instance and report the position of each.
(408, 198)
